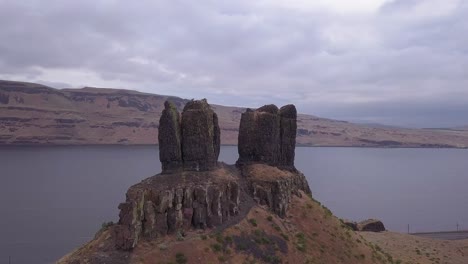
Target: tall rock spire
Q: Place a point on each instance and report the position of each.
(190, 142)
(200, 136)
(169, 138)
(288, 130)
(268, 135)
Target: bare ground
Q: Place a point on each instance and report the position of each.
(414, 249)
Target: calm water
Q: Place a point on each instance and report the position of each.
(53, 199)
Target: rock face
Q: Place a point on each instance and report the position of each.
(372, 225)
(274, 187)
(288, 130)
(191, 142)
(200, 136)
(351, 224)
(268, 135)
(168, 203)
(170, 138)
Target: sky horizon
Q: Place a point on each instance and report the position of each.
(394, 62)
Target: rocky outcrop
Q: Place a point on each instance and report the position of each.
(274, 187)
(170, 203)
(351, 224)
(268, 135)
(371, 225)
(190, 142)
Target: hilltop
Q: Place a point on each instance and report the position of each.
(36, 114)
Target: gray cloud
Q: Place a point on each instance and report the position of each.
(402, 63)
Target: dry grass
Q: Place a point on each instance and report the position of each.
(413, 249)
(309, 234)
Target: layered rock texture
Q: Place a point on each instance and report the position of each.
(170, 138)
(200, 136)
(194, 191)
(192, 142)
(274, 187)
(170, 203)
(34, 114)
(268, 135)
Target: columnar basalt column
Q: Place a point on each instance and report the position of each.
(268, 135)
(200, 136)
(169, 138)
(288, 130)
(191, 142)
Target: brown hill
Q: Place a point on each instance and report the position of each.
(36, 114)
(308, 234)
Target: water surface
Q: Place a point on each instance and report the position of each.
(53, 199)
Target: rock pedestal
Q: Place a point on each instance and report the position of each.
(169, 203)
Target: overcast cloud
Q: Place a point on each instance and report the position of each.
(401, 62)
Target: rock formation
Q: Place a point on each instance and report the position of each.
(288, 130)
(369, 225)
(268, 135)
(169, 203)
(191, 142)
(274, 187)
(194, 191)
(170, 138)
(351, 224)
(372, 225)
(200, 136)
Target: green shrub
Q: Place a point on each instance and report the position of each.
(284, 236)
(181, 258)
(253, 222)
(106, 225)
(216, 247)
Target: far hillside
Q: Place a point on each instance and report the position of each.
(33, 114)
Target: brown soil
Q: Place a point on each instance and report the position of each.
(309, 234)
(265, 172)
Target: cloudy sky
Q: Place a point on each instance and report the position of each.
(401, 62)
